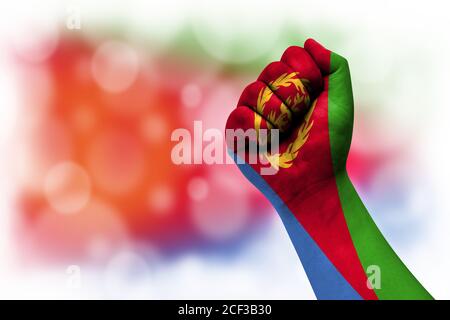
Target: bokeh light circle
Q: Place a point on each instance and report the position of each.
(191, 95)
(198, 189)
(155, 128)
(67, 187)
(115, 66)
(161, 200)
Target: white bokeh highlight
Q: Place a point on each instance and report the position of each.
(67, 187)
(198, 189)
(191, 95)
(161, 200)
(115, 66)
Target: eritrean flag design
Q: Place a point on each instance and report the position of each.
(307, 95)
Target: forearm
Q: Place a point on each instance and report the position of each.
(374, 252)
(339, 244)
(323, 273)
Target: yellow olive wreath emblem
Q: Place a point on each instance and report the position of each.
(285, 159)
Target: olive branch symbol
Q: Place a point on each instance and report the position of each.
(285, 159)
(285, 80)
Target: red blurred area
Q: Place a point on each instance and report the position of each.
(119, 140)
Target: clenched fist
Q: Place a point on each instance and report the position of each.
(307, 96)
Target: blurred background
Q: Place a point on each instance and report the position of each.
(91, 205)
